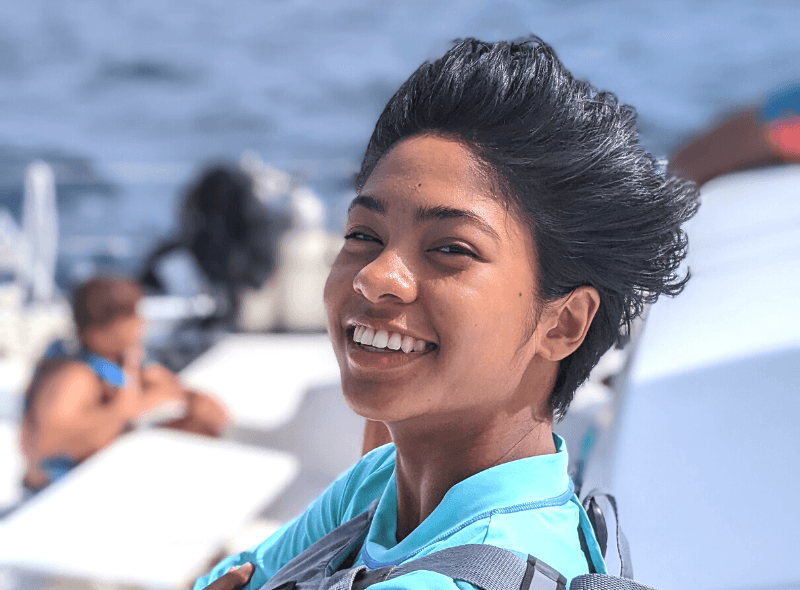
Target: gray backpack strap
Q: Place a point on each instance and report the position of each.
(598, 521)
(349, 579)
(488, 568)
(326, 556)
(326, 565)
(595, 581)
(603, 582)
(485, 567)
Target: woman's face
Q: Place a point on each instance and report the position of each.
(431, 300)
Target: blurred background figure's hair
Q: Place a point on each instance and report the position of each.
(101, 300)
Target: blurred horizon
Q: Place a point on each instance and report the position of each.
(147, 92)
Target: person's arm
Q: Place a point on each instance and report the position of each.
(761, 136)
(160, 386)
(203, 413)
(72, 417)
(739, 142)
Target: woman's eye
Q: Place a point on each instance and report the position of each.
(455, 249)
(361, 237)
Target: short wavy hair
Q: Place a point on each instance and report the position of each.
(101, 300)
(566, 158)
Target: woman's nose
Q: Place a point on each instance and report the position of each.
(386, 277)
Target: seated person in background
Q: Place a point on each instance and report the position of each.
(78, 404)
(761, 136)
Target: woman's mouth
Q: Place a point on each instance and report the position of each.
(384, 341)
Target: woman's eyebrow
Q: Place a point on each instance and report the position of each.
(370, 203)
(441, 212)
(424, 214)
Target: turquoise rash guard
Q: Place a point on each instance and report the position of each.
(526, 506)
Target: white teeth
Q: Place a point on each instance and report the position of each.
(358, 333)
(395, 340)
(381, 339)
(367, 337)
(385, 339)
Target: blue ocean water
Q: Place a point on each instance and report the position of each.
(149, 90)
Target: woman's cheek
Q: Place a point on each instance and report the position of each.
(336, 277)
(331, 294)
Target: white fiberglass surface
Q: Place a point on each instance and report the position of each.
(148, 510)
(706, 459)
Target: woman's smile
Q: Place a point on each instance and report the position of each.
(378, 339)
(375, 348)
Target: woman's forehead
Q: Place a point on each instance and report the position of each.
(430, 178)
(431, 163)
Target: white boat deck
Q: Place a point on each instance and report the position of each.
(284, 392)
(149, 510)
(262, 378)
(706, 462)
(744, 255)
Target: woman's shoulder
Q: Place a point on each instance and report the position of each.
(550, 534)
(379, 457)
(366, 480)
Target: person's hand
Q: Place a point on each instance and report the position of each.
(131, 366)
(161, 386)
(155, 375)
(205, 415)
(207, 411)
(236, 577)
(132, 358)
(129, 396)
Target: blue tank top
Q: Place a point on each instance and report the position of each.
(108, 371)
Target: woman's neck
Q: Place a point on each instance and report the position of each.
(432, 458)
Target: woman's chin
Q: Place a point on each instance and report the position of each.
(382, 402)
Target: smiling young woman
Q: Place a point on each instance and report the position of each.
(431, 255)
(507, 229)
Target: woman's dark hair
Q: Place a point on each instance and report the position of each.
(567, 159)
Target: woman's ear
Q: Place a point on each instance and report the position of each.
(565, 322)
